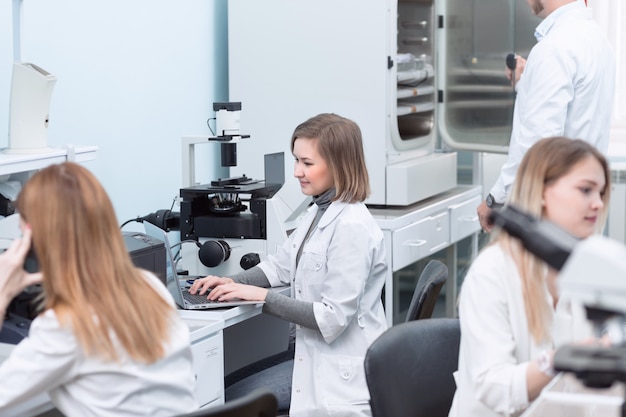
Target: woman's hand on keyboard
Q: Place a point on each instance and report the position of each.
(203, 285)
(233, 291)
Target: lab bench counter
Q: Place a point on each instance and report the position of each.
(229, 315)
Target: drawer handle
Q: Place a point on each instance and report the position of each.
(469, 219)
(440, 246)
(415, 243)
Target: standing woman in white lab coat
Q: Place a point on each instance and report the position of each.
(335, 263)
(108, 341)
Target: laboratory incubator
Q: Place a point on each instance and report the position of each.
(422, 78)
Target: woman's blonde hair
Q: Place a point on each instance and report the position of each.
(89, 279)
(544, 163)
(339, 142)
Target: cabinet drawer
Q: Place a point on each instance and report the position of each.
(464, 219)
(208, 364)
(420, 239)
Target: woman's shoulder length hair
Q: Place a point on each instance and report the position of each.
(340, 143)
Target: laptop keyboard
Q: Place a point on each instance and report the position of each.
(197, 298)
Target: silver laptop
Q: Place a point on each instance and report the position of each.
(178, 285)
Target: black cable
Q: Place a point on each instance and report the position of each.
(164, 219)
(209, 126)
(138, 220)
(177, 255)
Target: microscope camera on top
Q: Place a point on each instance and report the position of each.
(227, 123)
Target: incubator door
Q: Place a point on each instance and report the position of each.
(476, 99)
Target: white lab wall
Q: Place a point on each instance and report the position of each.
(133, 77)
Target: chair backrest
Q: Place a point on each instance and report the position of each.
(409, 368)
(259, 403)
(427, 290)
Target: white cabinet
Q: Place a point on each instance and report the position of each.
(419, 239)
(415, 232)
(463, 218)
(207, 347)
(208, 364)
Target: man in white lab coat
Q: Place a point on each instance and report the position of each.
(565, 88)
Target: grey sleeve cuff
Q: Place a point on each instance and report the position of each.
(287, 308)
(252, 276)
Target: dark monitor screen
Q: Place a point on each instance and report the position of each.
(275, 169)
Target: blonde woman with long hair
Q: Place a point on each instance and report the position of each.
(512, 317)
(108, 341)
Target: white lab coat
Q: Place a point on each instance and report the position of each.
(566, 88)
(51, 360)
(496, 345)
(342, 271)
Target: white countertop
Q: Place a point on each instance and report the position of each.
(230, 315)
(393, 218)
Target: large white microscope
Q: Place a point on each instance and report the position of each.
(235, 222)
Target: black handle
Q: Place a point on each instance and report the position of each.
(511, 61)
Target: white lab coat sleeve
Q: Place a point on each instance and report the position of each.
(39, 363)
(545, 90)
(488, 336)
(277, 267)
(349, 262)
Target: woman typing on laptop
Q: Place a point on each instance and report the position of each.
(335, 264)
(108, 341)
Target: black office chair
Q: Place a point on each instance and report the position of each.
(427, 290)
(409, 368)
(259, 403)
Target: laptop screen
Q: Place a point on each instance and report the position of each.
(171, 276)
(274, 169)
